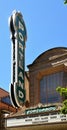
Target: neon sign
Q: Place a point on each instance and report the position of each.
(18, 37)
(40, 110)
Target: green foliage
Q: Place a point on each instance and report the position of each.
(64, 107)
(63, 93)
(65, 1)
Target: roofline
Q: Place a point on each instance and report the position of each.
(46, 52)
(4, 90)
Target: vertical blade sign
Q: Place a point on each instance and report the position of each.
(18, 37)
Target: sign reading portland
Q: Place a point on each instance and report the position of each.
(18, 38)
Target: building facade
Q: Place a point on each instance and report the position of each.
(43, 102)
(48, 71)
(5, 107)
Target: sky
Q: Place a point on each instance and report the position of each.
(46, 24)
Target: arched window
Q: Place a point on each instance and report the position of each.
(48, 84)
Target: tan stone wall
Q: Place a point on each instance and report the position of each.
(27, 88)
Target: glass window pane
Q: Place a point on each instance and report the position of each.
(48, 86)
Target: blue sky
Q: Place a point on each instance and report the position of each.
(46, 23)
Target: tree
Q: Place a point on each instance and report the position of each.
(65, 1)
(63, 93)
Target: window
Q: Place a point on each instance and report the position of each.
(48, 86)
(6, 100)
